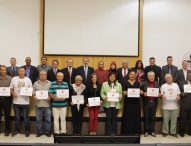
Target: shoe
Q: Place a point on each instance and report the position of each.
(15, 133)
(6, 133)
(56, 134)
(181, 135)
(146, 134)
(153, 134)
(63, 134)
(189, 134)
(48, 134)
(164, 134)
(38, 134)
(174, 135)
(27, 134)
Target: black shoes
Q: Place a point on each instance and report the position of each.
(164, 134)
(15, 133)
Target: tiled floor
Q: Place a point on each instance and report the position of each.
(20, 138)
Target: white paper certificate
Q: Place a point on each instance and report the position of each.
(133, 92)
(62, 93)
(153, 92)
(26, 91)
(114, 97)
(41, 94)
(170, 95)
(5, 91)
(187, 88)
(94, 101)
(78, 99)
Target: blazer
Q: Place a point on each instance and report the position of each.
(81, 72)
(105, 89)
(10, 71)
(33, 73)
(174, 72)
(67, 76)
(122, 79)
(51, 75)
(181, 79)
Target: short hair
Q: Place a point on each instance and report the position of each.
(151, 58)
(167, 75)
(44, 57)
(125, 61)
(3, 66)
(150, 73)
(59, 73)
(43, 71)
(78, 77)
(55, 61)
(13, 58)
(21, 68)
(169, 57)
(100, 62)
(69, 59)
(184, 61)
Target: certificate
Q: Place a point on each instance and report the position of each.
(133, 92)
(187, 88)
(170, 95)
(114, 97)
(26, 91)
(94, 101)
(41, 94)
(154, 92)
(78, 99)
(5, 91)
(62, 93)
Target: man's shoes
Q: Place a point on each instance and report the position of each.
(181, 135)
(146, 134)
(27, 134)
(63, 134)
(6, 133)
(56, 134)
(174, 135)
(38, 134)
(15, 133)
(153, 134)
(164, 134)
(48, 134)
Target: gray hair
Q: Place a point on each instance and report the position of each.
(168, 75)
(43, 71)
(60, 73)
(150, 73)
(125, 61)
(78, 77)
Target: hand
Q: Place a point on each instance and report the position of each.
(87, 105)
(160, 95)
(124, 92)
(71, 103)
(145, 94)
(178, 98)
(163, 98)
(106, 98)
(141, 92)
(14, 95)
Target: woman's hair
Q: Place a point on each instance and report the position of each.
(110, 74)
(136, 65)
(113, 63)
(91, 83)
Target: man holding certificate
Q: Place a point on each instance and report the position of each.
(59, 104)
(185, 107)
(5, 98)
(111, 94)
(21, 89)
(77, 95)
(170, 96)
(42, 105)
(150, 100)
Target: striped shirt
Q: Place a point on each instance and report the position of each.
(55, 86)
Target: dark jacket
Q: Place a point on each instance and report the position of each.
(67, 75)
(33, 73)
(51, 76)
(81, 72)
(174, 72)
(92, 92)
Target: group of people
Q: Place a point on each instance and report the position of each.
(112, 89)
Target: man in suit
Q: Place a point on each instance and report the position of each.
(69, 72)
(30, 71)
(123, 72)
(44, 66)
(51, 74)
(171, 69)
(183, 73)
(13, 69)
(153, 67)
(85, 71)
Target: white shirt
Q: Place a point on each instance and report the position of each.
(170, 104)
(123, 71)
(16, 84)
(185, 74)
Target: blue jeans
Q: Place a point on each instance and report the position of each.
(18, 110)
(43, 126)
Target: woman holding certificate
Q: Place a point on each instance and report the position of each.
(131, 123)
(111, 93)
(77, 93)
(93, 103)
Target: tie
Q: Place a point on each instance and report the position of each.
(55, 71)
(86, 72)
(70, 74)
(125, 73)
(169, 70)
(13, 71)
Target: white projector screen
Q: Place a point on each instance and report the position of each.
(91, 27)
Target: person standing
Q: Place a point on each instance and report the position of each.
(85, 71)
(42, 106)
(51, 74)
(5, 101)
(59, 104)
(131, 120)
(30, 71)
(93, 90)
(20, 102)
(140, 71)
(44, 66)
(170, 96)
(111, 107)
(13, 69)
(101, 73)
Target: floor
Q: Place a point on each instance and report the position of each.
(20, 138)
